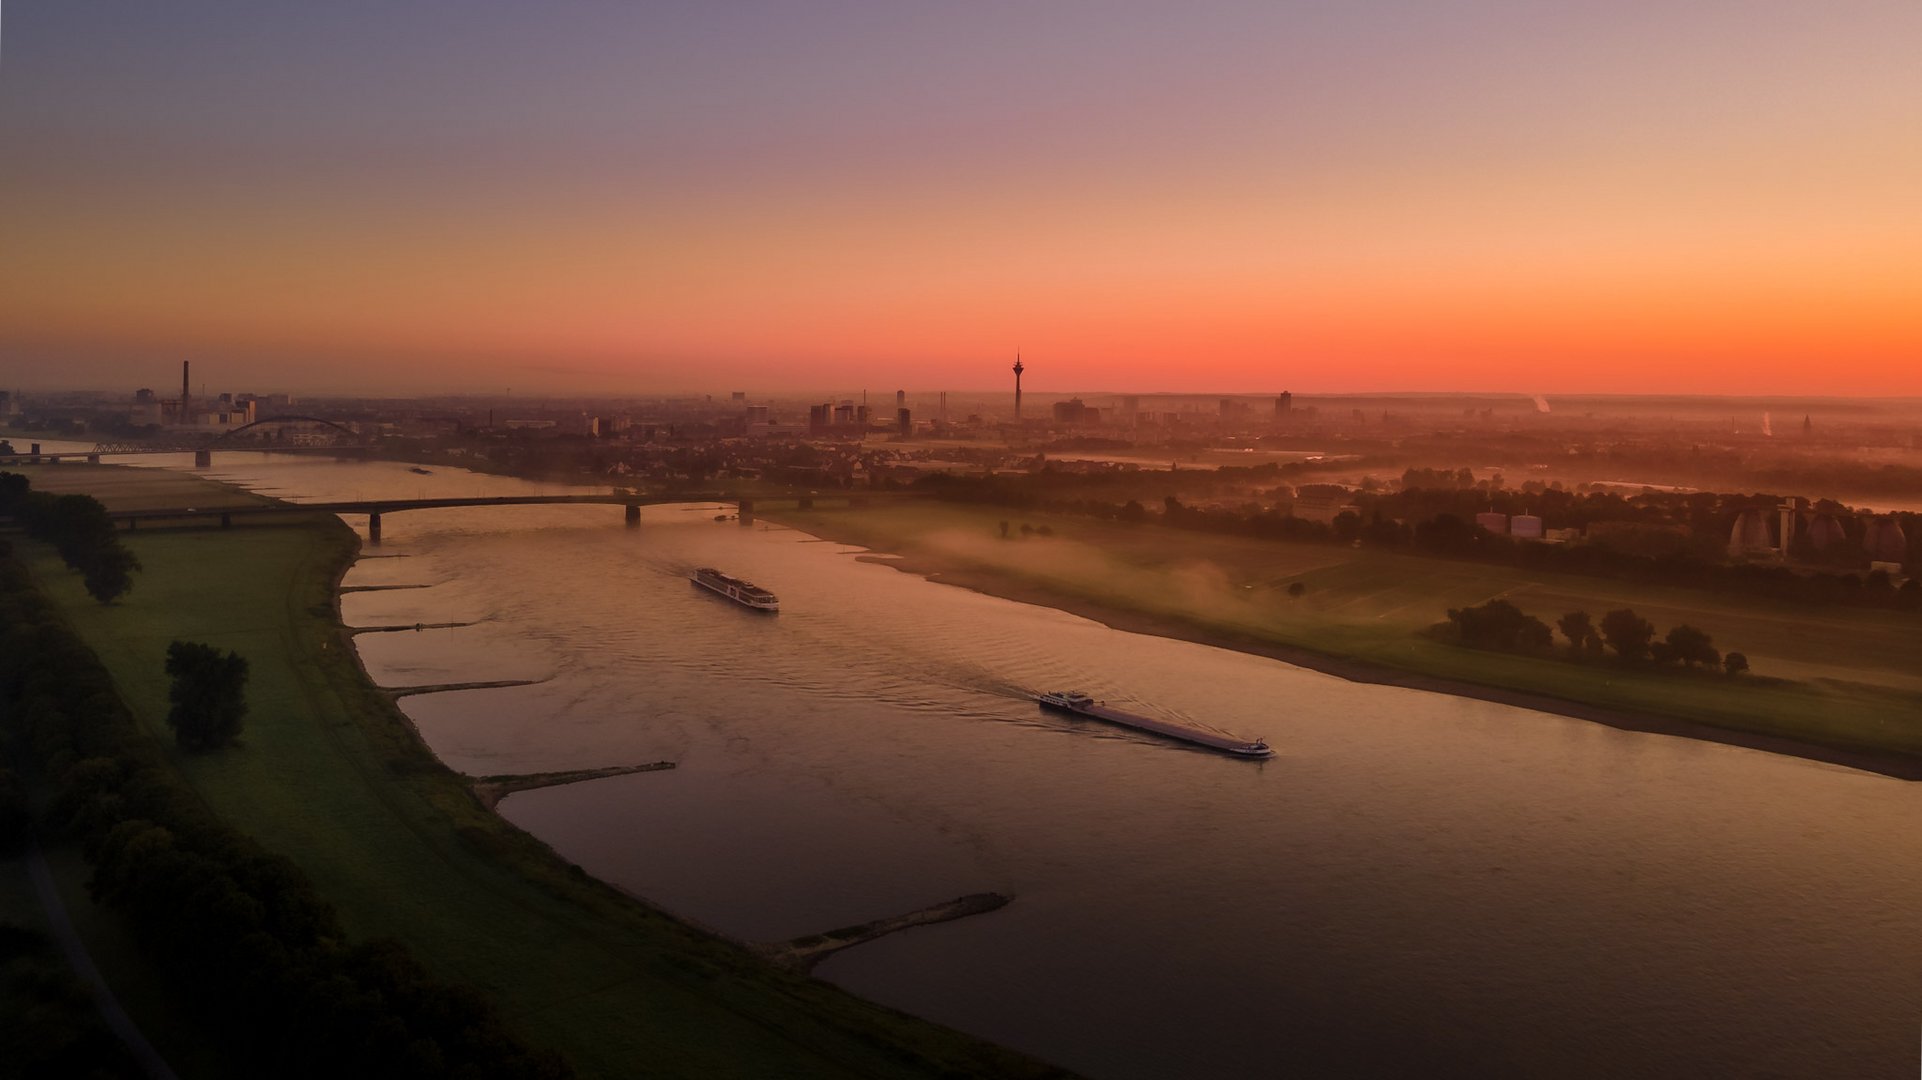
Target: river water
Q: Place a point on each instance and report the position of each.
(1416, 884)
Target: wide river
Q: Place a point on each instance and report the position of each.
(1416, 884)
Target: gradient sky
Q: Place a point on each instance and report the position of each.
(1623, 196)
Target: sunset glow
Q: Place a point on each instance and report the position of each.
(1474, 195)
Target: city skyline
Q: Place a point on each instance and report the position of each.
(1476, 196)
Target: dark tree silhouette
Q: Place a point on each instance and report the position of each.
(1628, 634)
(109, 573)
(1735, 663)
(1692, 646)
(1499, 624)
(208, 695)
(1577, 627)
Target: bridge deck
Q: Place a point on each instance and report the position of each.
(386, 506)
(394, 506)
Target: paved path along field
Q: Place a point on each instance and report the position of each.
(76, 952)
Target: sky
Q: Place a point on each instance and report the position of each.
(1631, 196)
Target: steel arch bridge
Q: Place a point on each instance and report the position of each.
(344, 430)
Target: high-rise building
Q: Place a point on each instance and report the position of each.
(905, 420)
(1284, 403)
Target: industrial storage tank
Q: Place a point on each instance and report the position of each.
(1884, 541)
(1825, 532)
(1750, 534)
(1493, 522)
(1526, 526)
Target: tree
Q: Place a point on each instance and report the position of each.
(1297, 590)
(1627, 633)
(1735, 663)
(15, 816)
(208, 695)
(1499, 624)
(109, 572)
(1692, 646)
(1577, 627)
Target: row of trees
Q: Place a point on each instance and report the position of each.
(78, 527)
(1499, 624)
(247, 941)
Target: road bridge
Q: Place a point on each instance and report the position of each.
(374, 508)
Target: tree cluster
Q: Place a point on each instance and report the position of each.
(208, 697)
(49, 1027)
(250, 943)
(78, 527)
(1501, 625)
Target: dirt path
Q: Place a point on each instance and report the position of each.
(82, 964)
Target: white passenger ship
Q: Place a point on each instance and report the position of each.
(744, 593)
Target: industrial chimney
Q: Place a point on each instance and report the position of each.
(186, 412)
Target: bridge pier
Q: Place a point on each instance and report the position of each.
(226, 521)
(633, 514)
(36, 455)
(373, 528)
(747, 512)
(93, 459)
(203, 459)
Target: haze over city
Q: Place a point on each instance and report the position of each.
(1629, 197)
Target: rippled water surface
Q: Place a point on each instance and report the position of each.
(1415, 883)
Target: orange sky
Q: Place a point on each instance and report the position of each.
(1685, 205)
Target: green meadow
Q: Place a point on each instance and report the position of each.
(330, 774)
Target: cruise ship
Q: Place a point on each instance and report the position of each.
(746, 594)
(1083, 705)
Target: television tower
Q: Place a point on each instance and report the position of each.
(1017, 387)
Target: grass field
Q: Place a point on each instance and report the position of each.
(330, 775)
(1840, 677)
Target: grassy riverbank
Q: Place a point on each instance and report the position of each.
(332, 776)
(1833, 684)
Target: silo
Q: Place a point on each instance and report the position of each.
(1750, 534)
(1825, 531)
(1884, 541)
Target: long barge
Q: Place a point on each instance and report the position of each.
(745, 593)
(1082, 705)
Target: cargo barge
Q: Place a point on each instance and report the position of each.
(745, 593)
(1083, 705)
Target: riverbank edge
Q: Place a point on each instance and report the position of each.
(992, 583)
(537, 862)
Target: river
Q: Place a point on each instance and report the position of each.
(1415, 884)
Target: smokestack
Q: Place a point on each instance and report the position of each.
(185, 412)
